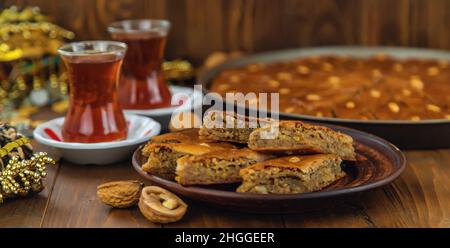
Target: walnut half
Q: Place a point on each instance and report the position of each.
(161, 206)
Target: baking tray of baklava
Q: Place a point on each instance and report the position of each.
(400, 94)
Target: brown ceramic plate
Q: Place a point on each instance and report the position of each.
(379, 163)
(424, 134)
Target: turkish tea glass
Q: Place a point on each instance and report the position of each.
(142, 83)
(94, 113)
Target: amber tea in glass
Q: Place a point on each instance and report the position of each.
(94, 114)
(142, 84)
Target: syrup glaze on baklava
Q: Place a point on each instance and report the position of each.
(376, 88)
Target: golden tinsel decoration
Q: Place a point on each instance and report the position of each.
(178, 69)
(21, 177)
(21, 171)
(28, 34)
(31, 73)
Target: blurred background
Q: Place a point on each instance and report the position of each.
(201, 27)
(204, 33)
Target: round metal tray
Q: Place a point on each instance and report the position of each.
(425, 134)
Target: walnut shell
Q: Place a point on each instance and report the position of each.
(120, 194)
(161, 206)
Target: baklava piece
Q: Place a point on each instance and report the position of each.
(292, 175)
(217, 167)
(296, 137)
(229, 126)
(163, 151)
(188, 135)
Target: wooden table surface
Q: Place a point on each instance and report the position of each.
(419, 198)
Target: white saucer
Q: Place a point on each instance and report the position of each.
(183, 99)
(140, 130)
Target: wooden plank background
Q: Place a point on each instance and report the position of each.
(203, 26)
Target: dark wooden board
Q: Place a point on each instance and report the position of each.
(419, 198)
(74, 202)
